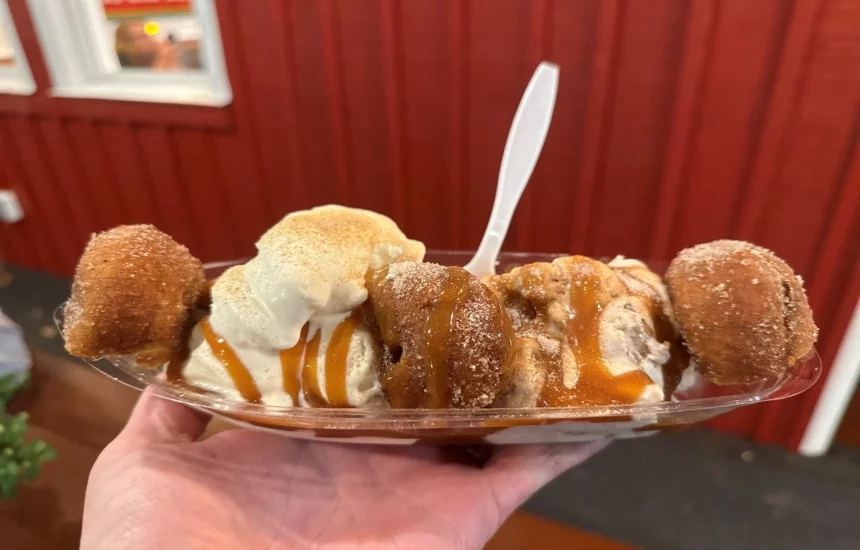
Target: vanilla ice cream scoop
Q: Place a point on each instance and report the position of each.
(309, 267)
(587, 334)
(336, 366)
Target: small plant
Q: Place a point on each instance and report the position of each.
(20, 461)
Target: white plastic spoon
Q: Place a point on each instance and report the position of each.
(525, 141)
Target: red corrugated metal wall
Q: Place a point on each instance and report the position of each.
(677, 122)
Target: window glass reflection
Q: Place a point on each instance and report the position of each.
(7, 52)
(159, 35)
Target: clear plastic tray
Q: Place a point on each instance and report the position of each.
(495, 426)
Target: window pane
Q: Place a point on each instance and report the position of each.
(158, 35)
(7, 52)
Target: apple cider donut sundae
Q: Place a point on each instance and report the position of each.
(338, 310)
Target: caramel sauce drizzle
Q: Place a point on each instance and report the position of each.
(291, 367)
(437, 336)
(506, 330)
(595, 384)
(238, 372)
(297, 377)
(336, 356)
(173, 372)
(310, 378)
(335, 366)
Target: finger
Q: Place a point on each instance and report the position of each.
(159, 420)
(518, 471)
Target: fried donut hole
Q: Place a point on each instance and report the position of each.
(742, 311)
(133, 294)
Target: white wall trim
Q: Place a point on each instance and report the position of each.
(82, 63)
(838, 389)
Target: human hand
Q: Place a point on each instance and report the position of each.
(155, 486)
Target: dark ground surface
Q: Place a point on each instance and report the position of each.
(692, 490)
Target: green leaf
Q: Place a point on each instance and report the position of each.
(20, 460)
(11, 383)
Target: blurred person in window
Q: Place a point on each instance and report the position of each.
(136, 49)
(187, 52)
(7, 54)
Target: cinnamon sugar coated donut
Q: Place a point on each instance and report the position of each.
(742, 311)
(447, 338)
(132, 295)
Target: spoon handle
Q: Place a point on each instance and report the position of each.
(525, 141)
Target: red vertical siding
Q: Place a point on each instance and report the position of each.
(649, 49)
(746, 42)
(676, 122)
(696, 58)
(95, 169)
(426, 93)
(497, 31)
(598, 108)
(572, 44)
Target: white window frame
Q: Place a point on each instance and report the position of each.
(83, 65)
(16, 79)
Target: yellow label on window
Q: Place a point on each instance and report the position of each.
(151, 28)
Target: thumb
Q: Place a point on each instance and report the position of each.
(518, 471)
(158, 420)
